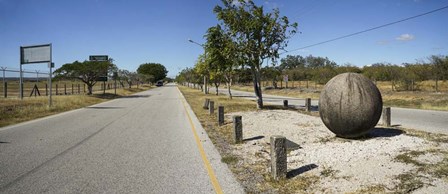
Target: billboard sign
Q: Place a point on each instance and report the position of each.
(35, 54)
(98, 58)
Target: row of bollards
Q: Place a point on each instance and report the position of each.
(278, 143)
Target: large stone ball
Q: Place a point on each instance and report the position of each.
(350, 105)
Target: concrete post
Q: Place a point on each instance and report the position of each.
(206, 102)
(386, 116)
(237, 129)
(278, 157)
(221, 115)
(285, 103)
(211, 107)
(308, 104)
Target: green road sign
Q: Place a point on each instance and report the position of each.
(98, 58)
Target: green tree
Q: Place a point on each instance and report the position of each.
(87, 72)
(154, 71)
(259, 34)
(222, 55)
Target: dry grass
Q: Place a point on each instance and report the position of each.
(423, 99)
(14, 110)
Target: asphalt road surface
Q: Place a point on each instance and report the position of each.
(426, 120)
(145, 143)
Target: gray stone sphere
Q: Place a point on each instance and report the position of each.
(350, 105)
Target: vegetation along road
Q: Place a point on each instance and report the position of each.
(150, 142)
(427, 120)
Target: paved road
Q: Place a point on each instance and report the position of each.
(139, 144)
(426, 120)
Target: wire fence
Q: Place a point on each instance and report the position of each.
(36, 83)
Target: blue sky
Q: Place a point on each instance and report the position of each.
(134, 32)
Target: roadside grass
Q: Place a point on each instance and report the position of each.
(14, 110)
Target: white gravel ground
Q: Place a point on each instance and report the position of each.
(342, 165)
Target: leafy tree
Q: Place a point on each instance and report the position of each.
(222, 55)
(153, 71)
(87, 72)
(259, 34)
(439, 68)
(292, 62)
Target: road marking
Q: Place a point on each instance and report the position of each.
(207, 165)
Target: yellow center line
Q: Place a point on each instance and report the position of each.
(207, 165)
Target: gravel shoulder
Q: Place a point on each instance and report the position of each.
(387, 160)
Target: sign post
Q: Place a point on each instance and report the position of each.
(35, 54)
(102, 78)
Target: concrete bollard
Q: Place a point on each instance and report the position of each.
(386, 117)
(221, 115)
(285, 103)
(211, 107)
(278, 157)
(308, 104)
(206, 102)
(237, 129)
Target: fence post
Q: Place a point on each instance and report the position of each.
(278, 157)
(220, 115)
(308, 104)
(386, 116)
(57, 89)
(79, 89)
(5, 89)
(237, 129)
(65, 89)
(84, 88)
(72, 90)
(46, 89)
(285, 103)
(211, 107)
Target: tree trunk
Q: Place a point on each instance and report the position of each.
(89, 89)
(257, 87)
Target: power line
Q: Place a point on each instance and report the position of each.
(363, 31)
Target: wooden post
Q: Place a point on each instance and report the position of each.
(84, 88)
(211, 107)
(278, 157)
(57, 89)
(72, 90)
(285, 103)
(79, 89)
(237, 129)
(46, 89)
(221, 115)
(386, 116)
(65, 89)
(308, 104)
(5, 89)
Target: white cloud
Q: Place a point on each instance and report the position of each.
(405, 37)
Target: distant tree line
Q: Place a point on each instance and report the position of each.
(322, 69)
(90, 72)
